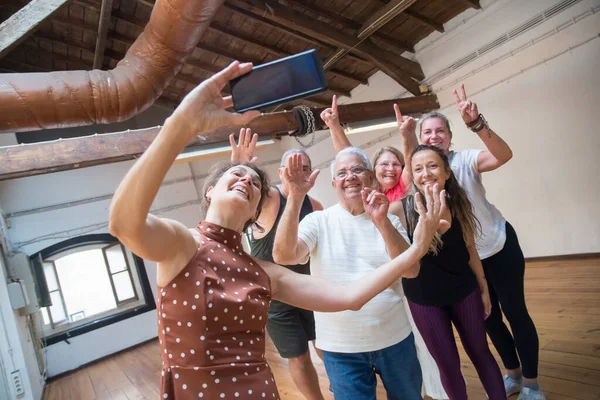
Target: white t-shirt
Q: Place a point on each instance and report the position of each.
(344, 248)
(493, 224)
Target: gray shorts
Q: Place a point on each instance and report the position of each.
(291, 330)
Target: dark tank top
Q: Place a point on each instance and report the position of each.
(445, 278)
(262, 248)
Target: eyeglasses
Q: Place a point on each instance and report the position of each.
(344, 173)
(386, 165)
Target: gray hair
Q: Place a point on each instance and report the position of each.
(434, 114)
(292, 152)
(351, 151)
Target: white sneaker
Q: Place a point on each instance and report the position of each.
(512, 386)
(529, 394)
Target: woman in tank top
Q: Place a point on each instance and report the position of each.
(498, 246)
(213, 298)
(450, 288)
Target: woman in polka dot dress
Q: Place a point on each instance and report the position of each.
(213, 298)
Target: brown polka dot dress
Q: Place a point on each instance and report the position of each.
(211, 324)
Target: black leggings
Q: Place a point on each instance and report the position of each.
(505, 273)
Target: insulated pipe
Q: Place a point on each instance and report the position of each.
(32, 101)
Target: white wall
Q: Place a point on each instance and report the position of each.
(15, 348)
(47, 209)
(543, 100)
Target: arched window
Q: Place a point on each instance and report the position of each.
(92, 281)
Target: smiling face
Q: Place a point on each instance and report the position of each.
(350, 176)
(239, 190)
(435, 132)
(388, 170)
(428, 168)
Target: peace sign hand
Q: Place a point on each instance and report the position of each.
(407, 124)
(330, 115)
(468, 109)
(243, 151)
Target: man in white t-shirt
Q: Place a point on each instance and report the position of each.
(345, 242)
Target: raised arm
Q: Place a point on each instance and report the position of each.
(159, 239)
(498, 152)
(331, 118)
(318, 294)
(408, 128)
(288, 249)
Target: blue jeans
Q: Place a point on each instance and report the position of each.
(352, 375)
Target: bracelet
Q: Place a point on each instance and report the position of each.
(478, 124)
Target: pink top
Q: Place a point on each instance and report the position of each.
(398, 192)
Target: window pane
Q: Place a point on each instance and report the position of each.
(116, 259)
(123, 286)
(45, 316)
(56, 309)
(50, 277)
(85, 283)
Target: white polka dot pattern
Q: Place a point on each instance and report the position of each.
(212, 317)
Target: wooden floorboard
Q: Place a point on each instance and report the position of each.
(563, 298)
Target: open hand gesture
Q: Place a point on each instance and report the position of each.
(243, 151)
(430, 219)
(204, 109)
(330, 115)
(407, 125)
(375, 203)
(468, 110)
(294, 178)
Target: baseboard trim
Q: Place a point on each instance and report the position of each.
(579, 256)
(62, 374)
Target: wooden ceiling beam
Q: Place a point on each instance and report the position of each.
(236, 35)
(103, 25)
(25, 21)
(423, 20)
(400, 44)
(382, 16)
(378, 19)
(244, 12)
(385, 61)
(60, 155)
(470, 3)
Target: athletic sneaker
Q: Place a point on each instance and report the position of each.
(512, 385)
(529, 394)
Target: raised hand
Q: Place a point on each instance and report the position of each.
(204, 109)
(430, 218)
(468, 110)
(407, 124)
(243, 150)
(375, 203)
(330, 115)
(294, 178)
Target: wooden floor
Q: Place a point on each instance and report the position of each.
(563, 298)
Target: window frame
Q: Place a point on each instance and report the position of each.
(115, 315)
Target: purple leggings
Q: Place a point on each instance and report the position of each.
(435, 325)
